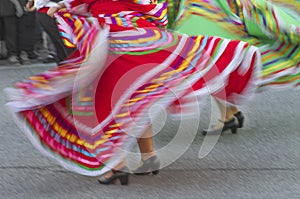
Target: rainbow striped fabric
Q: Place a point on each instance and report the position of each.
(272, 26)
(83, 123)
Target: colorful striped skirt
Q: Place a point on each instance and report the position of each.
(87, 112)
(272, 26)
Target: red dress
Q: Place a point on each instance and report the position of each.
(86, 113)
(123, 14)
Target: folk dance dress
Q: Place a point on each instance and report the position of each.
(271, 25)
(86, 112)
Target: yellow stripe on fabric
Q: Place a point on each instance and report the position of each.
(152, 86)
(143, 91)
(189, 58)
(296, 57)
(122, 114)
(116, 125)
(274, 68)
(267, 57)
(127, 104)
(171, 72)
(239, 5)
(160, 17)
(205, 12)
(112, 130)
(271, 18)
(68, 43)
(119, 21)
(39, 78)
(155, 37)
(64, 133)
(43, 86)
(135, 99)
(106, 136)
(93, 146)
(59, 129)
(78, 25)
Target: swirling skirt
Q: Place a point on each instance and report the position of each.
(85, 112)
(272, 26)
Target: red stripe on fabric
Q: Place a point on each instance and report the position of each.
(43, 10)
(239, 82)
(53, 145)
(220, 65)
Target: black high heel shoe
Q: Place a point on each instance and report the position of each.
(231, 124)
(240, 117)
(117, 174)
(151, 165)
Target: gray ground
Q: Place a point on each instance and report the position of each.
(261, 161)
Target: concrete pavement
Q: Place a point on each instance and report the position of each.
(261, 161)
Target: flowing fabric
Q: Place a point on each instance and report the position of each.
(272, 26)
(88, 111)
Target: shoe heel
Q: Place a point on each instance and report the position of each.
(240, 116)
(124, 180)
(117, 175)
(155, 172)
(234, 130)
(242, 123)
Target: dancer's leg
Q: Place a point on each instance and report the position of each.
(226, 112)
(238, 114)
(234, 110)
(146, 144)
(149, 163)
(227, 120)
